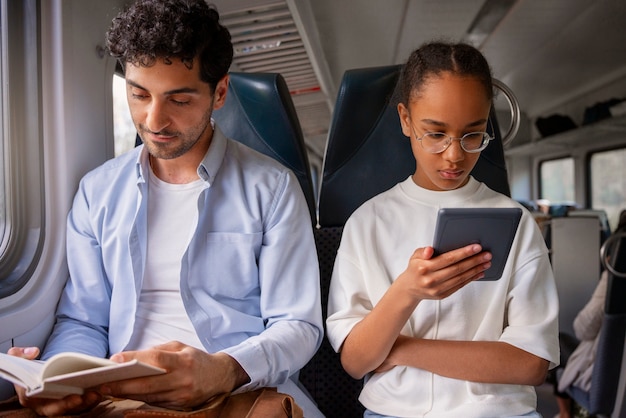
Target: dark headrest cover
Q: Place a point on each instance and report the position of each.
(367, 153)
(259, 113)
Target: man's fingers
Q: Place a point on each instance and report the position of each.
(29, 353)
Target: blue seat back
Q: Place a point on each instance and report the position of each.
(367, 153)
(607, 366)
(259, 113)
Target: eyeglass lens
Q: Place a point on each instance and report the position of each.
(437, 142)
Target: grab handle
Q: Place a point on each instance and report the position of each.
(515, 111)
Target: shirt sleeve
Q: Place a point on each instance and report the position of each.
(83, 310)
(290, 294)
(531, 321)
(588, 322)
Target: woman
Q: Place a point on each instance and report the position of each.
(426, 336)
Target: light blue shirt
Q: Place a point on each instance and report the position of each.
(249, 278)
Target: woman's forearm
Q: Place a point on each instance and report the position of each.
(476, 361)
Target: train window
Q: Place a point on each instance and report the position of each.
(608, 182)
(557, 180)
(21, 164)
(2, 138)
(123, 128)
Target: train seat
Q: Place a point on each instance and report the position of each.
(366, 154)
(366, 146)
(600, 214)
(259, 112)
(602, 398)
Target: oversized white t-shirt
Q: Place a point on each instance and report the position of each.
(521, 308)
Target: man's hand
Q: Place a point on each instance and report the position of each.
(52, 407)
(193, 376)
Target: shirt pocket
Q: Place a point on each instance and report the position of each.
(230, 264)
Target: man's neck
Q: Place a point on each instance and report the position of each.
(172, 171)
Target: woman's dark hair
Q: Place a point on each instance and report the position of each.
(166, 29)
(434, 58)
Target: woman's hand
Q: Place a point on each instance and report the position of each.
(428, 277)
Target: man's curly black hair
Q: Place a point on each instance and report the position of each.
(167, 29)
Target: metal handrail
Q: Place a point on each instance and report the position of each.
(515, 111)
(604, 257)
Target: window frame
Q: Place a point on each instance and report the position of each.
(22, 240)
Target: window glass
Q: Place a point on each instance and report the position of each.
(608, 182)
(557, 180)
(123, 128)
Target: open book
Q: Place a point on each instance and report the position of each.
(68, 373)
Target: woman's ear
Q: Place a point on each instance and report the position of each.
(405, 119)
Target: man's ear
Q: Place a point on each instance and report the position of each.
(405, 120)
(219, 96)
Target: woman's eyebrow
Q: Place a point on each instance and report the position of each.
(477, 123)
(444, 125)
(433, 122)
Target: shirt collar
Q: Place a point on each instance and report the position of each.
(441, 198)
(212, 161)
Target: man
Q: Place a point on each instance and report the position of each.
(192, 252)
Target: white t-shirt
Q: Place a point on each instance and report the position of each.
(172, 218)
(521, 308)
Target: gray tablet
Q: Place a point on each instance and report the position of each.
(493, 228)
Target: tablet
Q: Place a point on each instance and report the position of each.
(493, 228)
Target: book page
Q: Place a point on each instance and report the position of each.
(68, 373)
(75, 382)
(64, 363)
(20, 371)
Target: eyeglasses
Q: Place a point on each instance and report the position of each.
(437, 142)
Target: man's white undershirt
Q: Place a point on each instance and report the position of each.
(172, 218)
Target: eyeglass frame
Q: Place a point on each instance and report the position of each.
(487, 138)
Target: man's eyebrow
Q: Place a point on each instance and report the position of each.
(187, 90)
(181, 90)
